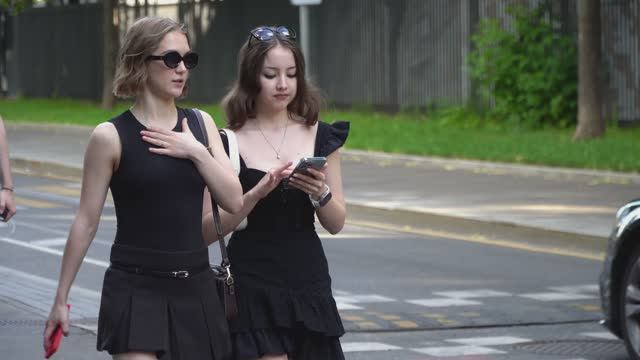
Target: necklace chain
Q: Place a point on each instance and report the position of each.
(281, 141)
(142, 119)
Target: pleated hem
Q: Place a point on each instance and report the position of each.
(176, 327)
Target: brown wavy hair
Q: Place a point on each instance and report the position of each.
(240, 102)
(140, 41)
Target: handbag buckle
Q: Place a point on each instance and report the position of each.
(229, 280)
(182, 274)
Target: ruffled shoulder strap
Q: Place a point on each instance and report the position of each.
(330, 137)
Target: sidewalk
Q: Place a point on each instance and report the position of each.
(410, 191)
(21, 336)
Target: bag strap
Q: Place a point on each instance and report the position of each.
(214, 205)
(234, 153)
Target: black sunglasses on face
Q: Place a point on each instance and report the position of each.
(265, 33)
(173, 58)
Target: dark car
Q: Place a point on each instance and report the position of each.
(620, 279)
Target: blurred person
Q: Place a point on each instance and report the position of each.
(157, 299)
(7, 202)
(286, 307)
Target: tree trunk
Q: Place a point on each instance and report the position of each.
(110, 46)
(136, 10)
(590, 120)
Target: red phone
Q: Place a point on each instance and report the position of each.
(56, 337)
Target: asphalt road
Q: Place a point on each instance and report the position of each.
(401, 295)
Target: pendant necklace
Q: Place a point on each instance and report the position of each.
(277, 151)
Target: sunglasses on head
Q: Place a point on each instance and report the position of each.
(173, 58)
(266, 33)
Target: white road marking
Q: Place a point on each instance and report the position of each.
(591, 288)
(50, 242)
(43, 249)
(444, 302)
(367, 346)
(365, 298)
(490, 340)
(600, 335)
(470, 294)
(556, 296)
(347, 306)
(38, 293)
(457, 351)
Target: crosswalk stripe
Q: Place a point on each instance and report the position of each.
(38, 293)
(59, 190)
(463, 350)
(600, 335)
(43, 249)
(38, 204)
(49, 242)
(490, 340)
(367, 346)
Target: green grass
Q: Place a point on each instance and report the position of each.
(459, 136)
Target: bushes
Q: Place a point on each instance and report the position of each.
(529, 73)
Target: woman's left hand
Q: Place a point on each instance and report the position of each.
(177, 144)
(313, 185)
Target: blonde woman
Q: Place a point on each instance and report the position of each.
(157, 299)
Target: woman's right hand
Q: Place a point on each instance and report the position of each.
(270, 180)
(59, 315)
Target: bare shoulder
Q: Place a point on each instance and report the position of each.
(105, 137)
(208, 119)
(105, 131)
(301, 123)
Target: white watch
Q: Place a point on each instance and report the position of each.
(323, 199)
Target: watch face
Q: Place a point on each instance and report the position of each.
(325, 199)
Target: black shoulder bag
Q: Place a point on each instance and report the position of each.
(225, 283)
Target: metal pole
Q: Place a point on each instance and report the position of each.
(304, 36)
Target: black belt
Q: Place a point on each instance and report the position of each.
(176, 274)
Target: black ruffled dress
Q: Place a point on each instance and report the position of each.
(282, 279)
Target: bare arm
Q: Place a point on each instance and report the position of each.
(100, 158)
(229, 221)
(226, 186)
(332, 216)
(6, 193)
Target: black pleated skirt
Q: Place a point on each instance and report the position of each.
(175, 318)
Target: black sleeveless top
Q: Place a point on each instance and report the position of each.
(157, 198)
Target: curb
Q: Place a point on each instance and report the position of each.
(45, 169)
(471, 230)
(416, 222)
(72, 129)
(411, 160)
(491, 167)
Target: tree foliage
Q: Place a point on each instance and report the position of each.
(528, 71)
(15, 6)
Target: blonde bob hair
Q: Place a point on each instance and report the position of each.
(140, 41)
